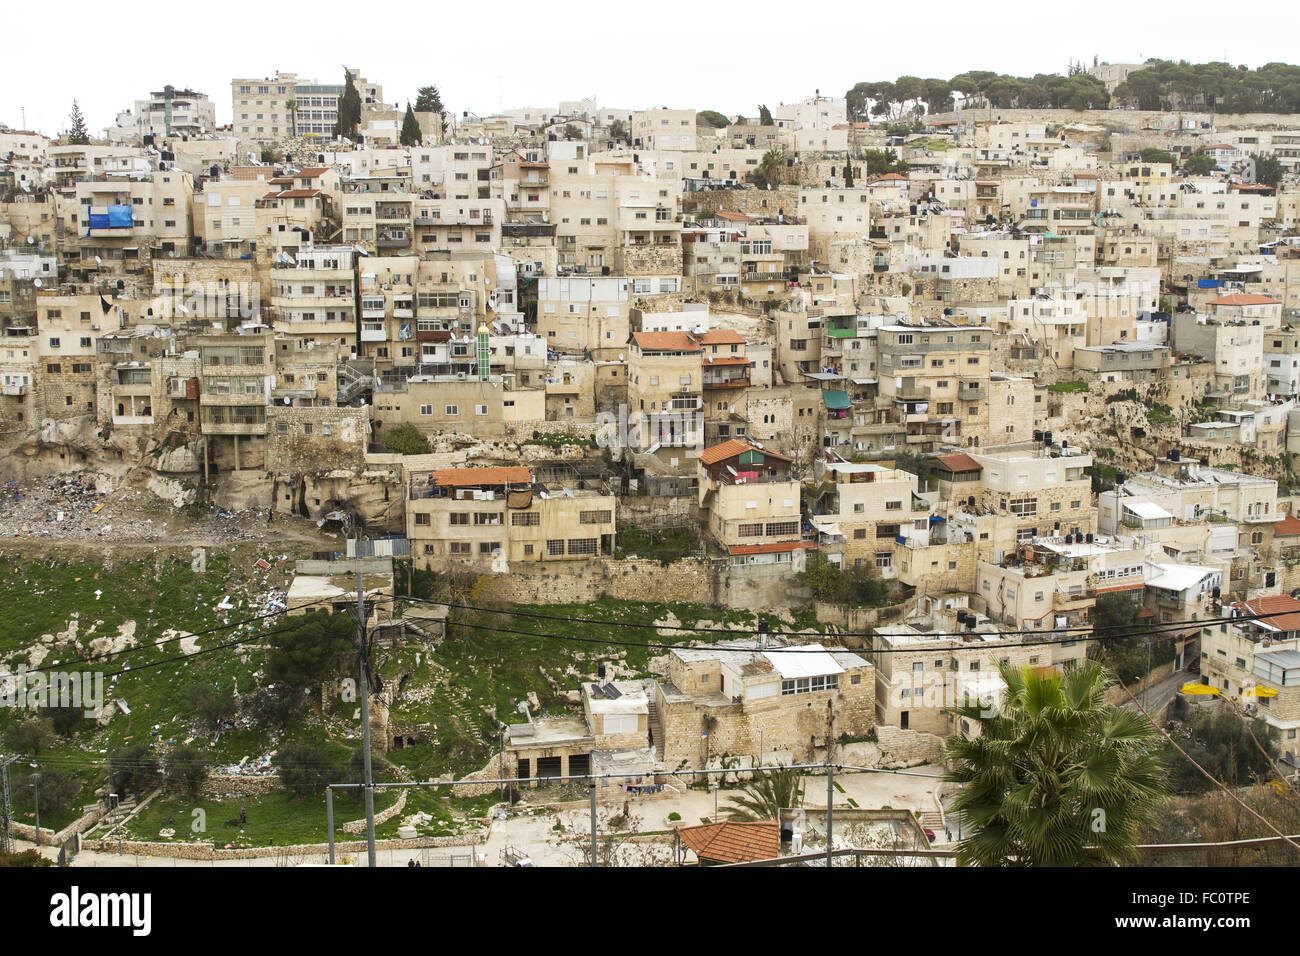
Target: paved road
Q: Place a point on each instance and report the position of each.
(1159, 694)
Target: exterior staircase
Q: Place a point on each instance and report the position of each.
(656, 729)
(353, 380)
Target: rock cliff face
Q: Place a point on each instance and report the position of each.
(171, 470)
(371, 498)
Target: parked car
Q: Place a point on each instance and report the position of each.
(1195, 665)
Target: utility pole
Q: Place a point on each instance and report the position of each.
(329, 819)
(6, 808)
(830, 813)
(593, 823)
(365, 723)
(1147, 683)
(830, 781)
(34, 781)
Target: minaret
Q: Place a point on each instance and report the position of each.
(484, 353)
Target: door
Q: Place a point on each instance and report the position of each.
(902, 720)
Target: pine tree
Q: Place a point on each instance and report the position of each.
(848, 174)
(428, 100)
(77, 135)
(349, 110)
(410, 128)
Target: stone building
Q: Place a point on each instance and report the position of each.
(745, 698)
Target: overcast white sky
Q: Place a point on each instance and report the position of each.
(502, 53)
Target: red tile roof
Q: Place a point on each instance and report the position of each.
(299, 193)
(727, 360)
(1288, 525)
(1284, 611)
(889, 177)
(1131, 586)
(464, 477)
(960, 462)
(1244, 298)
(773, 547)
(733, 842)
(731, 216)
(665, 342)
(311, 171)
(732, 448)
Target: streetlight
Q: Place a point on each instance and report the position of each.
(34, 781)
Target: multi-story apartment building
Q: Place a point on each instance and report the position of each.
(130, 219)
(491, 517)
(167, 112)
(935, 380)
(282, 107)
(313, 297)
(860, 510)
(236, 375)
(947, 657)
(751, 504)
(1044, 491)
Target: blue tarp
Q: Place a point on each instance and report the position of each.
(119, 217)
(97, 221)
(1208, 283)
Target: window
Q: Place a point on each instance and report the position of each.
(582, 545)
(526, 519)
(459, 547)
(451, 410)
(459, 517)
(595, 517)
(809, 685)
(422, 518)
(555, 547)
(782, 527)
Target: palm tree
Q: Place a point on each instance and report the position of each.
(1057, 777)
(768, 172)
(767, 796)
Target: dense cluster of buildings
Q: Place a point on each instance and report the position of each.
(1008, 365)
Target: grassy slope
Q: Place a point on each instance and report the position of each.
(470, 672)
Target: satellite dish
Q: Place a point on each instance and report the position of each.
(31, 240)
(37, 283)
(98, 261)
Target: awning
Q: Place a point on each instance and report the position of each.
(836, 398)
(827, 527)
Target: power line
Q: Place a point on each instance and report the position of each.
(1074, 628)
(1043, 641)
(1209, 776)
(180, 637)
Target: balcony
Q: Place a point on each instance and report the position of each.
(387, 241)
(912, 393)
(22, 389)
(528, 230)
(229, 400)
(369, 334)
(1066, 601)
(734, 382)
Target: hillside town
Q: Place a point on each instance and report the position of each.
(829, 428)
